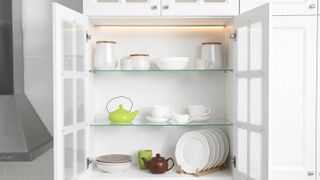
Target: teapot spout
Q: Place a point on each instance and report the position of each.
(146, 163)
(134, 114)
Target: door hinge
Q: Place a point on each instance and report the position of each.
(234, 161)
(88, 36)
(233, 36)
(89, 161)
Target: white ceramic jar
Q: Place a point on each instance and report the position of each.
(211, 53)
(106, 58)
(140, 61)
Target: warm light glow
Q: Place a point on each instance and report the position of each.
(159, 27)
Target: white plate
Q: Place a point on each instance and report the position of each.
(213, 149)
(192, 151)
(221, 146)
(226, 145)
(203, 118)
(217, 149)
(157, 120)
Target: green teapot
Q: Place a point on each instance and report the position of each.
(121, 115)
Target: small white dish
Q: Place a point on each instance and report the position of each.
(180, 118)
(203, 118)
(157, 120)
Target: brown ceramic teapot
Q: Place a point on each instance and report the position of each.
(158, 164)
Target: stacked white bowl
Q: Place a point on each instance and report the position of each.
(172, 63)
(114, 163)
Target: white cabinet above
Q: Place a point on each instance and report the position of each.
(199, 7)
(283, 7)
(108, 8)
(144, 8)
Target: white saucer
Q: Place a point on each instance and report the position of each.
(201, 118)
(174, 122)
(157, 120)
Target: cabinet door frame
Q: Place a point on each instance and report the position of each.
(119, 8)
(200, 8)
(301, 32)
(79, 72)
(303, 7)
(251, 79)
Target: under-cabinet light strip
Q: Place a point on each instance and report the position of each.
(158, 27)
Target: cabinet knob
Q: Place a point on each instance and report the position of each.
(310, 173)
(154, 7)
(165, 7)
(312, 6)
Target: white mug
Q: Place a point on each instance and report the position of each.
(160, 112)
(199, 110)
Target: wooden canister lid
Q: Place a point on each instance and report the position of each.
(208, 43)
(110, 42)
(138, 55)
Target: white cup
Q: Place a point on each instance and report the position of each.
(199, 110)
(160, 112)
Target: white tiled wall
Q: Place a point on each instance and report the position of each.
(38, 86)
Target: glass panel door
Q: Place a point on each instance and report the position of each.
(70, 92)
(251, 80)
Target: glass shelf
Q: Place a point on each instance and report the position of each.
(158, 70)
(97, 123)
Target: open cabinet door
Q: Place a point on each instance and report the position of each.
(70, 74)
(251, 92)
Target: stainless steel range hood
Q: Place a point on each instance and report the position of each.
(23, 136)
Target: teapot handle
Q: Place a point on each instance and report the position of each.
(171, 165)
(117, 98)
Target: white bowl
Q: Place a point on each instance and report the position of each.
(113, 167)
(172, 63)
(157, 120)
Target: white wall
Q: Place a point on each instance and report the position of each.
(38, 86)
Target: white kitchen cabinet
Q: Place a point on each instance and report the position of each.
(111, 8)
(293, 93)
(143, 8)
(283, 7)
(270, 101)
(199, 7)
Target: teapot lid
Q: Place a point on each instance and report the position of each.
(158, 158)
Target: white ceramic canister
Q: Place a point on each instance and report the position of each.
(106, 58)
(126, 64)
(140, 61)
(211, 53)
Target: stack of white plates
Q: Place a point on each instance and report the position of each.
(202, 149)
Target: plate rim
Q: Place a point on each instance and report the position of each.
(179, 148)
